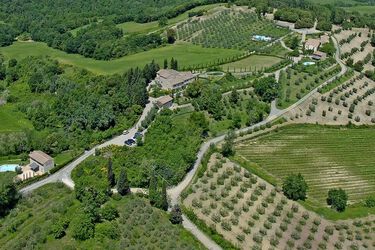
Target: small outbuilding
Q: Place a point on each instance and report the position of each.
(319, 55)
(312, 44)
(164, 102)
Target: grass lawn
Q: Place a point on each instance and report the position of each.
(12, 120)
(251, 63)
(65, 157)
(186, 54)
(327, 157)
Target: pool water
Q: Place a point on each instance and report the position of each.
(9, 168)
(308, 63)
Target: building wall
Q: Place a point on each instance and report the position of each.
(46, 167)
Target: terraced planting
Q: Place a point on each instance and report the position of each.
(353, 101)
(32, 224)
(252, 214)
(230, 28)
(299, 80)
(328, 157)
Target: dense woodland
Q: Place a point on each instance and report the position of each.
(70, 108)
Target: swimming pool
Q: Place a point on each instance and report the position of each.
(308, 63)
(9, 168)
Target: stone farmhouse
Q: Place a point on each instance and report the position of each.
(169, 79)
(40, 163)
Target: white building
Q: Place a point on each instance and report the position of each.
(312, 44)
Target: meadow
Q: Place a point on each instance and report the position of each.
(186, 54)
(235, 206)
(31, 224)
(327, 157)
(13, 120)
(251, 63)
(363, 9)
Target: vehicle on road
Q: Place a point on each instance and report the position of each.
(129, 142)
(137, 135)
(125, 132)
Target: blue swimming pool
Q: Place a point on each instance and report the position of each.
(308, 63)
(9, 168)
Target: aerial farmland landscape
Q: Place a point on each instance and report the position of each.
(187, 124)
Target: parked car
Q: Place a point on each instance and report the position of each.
(129, 142)
(136, 135)
(125, 132)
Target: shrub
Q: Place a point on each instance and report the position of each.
(283, 226)
(240, 237)
(82, 227)
(216, 218)
(305, 215)
(274, 241)
(370, 201)
(107, 230)
(58, 228)
(329, 230)
(296, 235)
(109, 213)
(226, 225)
(258, 238)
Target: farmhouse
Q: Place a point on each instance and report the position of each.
(164, 102)
(312, 44)
(170, 79)
(318, 55)
(40, 163)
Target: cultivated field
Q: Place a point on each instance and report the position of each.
(230, 28)
(186, 54)
(299, 80)
(353, 101)
(252, 214)
(328, 157)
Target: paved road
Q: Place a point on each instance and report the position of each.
(64, 174)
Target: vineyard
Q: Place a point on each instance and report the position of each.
(229, 29)
(252, 214)
(299, 80)
(353, 101)
(327, 157)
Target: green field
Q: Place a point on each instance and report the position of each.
(363, 9)
(133, 27)
(12, 120)
(186, 54)
(251, 63)
(328, 157)
(139, 225)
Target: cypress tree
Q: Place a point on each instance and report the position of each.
(172, 63)
(153, 192)
(110, 174)
(123, 187)
(163, 199)
(165, 64)
(176, 215)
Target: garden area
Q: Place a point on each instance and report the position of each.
(241, 211)
(230, 28)
(328, 157)
(252, 63)
(300, 79)
(48, 219)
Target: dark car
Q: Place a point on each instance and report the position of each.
(136, 135)
(129, 142)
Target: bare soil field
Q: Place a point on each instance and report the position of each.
(252, 214)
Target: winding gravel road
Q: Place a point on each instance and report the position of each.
(64, 174)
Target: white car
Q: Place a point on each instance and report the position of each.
(125, 132)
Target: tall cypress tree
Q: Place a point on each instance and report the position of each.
(123, 187)
(165, 64)
(110, 174)
(163, 199)
(153, 189)
(172, 63)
